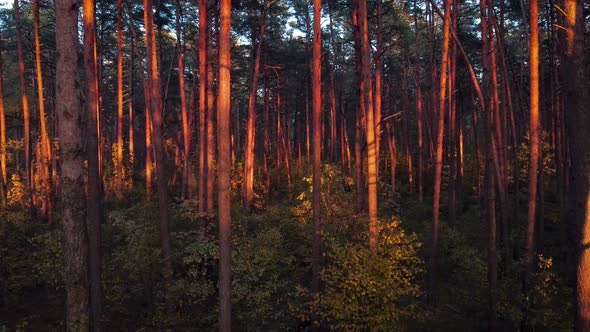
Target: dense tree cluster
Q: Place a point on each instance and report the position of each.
(294, 165)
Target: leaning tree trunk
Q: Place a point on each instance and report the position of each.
(439, 148)
(248, 185)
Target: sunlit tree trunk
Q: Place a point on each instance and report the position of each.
(73, 204)
(45, 150)
(249, 154)
(378, 82)
(24, 100)
(317, 171)
(439, 148)
(534, 133)
(224, 189)
(210, 120)
(186, 134)
(202, 105)
(131, 148)
(366, 88)
(360, 111)
(94, 194)
(119, 168)
(267, 123)
(158, 138)
(148, 142)
(392, 155)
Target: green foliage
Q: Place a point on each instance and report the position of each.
(48, 259)
(363, 290)
(267, 250)
(547, 304)
(547, 160)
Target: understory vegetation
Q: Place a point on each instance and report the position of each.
(271, 250)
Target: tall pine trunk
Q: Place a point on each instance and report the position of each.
(119, 168)
(249, 153)
(45, 150)
(94, 194)
(158, 138)
(186, 134)
(72, 196)
(317, 143)
(224, 190)
(25, 102)
(202, 183)
(439, 149)
(367, 90)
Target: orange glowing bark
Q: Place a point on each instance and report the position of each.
(366, 88)
(202, 183)
(534, 133)
(130, 110)
(224, 193)
(148, 144)
(24, 98)
(439, 147)
(93, 216)
(248, 185)
(158, 137)
(45, 151)
(378, 81)
(186, 135)
(119, 166)
(317, 113)
(210, 134)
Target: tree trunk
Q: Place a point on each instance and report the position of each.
(366, 88)
(439, 148)
(186, 134)
(45, 150)
(202, 105)
(94, 195)
(575, 77)
(534, 133)
(358, 159)
(210, 121)
(224, 190)
(317, 171)
(249, 153)
(158, 138)
(119, 166)
(25, 101)
(73, 205)
(378, 81)
(130, 109)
